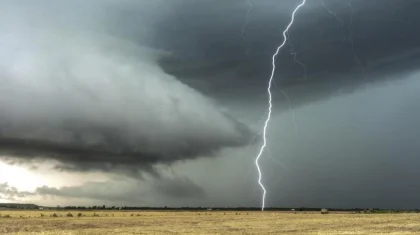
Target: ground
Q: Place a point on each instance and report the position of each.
(206, 222)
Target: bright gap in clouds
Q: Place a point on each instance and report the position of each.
(25, 179)
(21, 178)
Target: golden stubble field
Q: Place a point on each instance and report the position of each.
(206, 222)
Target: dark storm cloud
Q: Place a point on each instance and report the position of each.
(107, 191)
(178, 188)
(129, 191)
(80, 90)
(79, 86)
(385, 35)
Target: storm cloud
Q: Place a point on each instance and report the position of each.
(94, 92)
(94, 100)
(128, 191)
(366, 44)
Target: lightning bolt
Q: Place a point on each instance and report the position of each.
(250, 7)
(294, 54)
(350, 37)
(270, 105)
(333, 14)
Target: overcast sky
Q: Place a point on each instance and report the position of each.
(161, 103)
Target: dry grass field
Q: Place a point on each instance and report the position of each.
(206, 222)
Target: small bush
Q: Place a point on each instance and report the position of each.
(42, 215)
(54, 215)
(7, 216)
(69, 215)
(79, 214)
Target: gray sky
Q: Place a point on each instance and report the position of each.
(157, 103)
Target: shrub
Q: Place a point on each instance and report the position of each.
(69, 215)
(79, 215)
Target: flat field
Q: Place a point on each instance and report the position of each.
(205, 222)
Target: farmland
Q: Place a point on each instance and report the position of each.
(205, 222)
